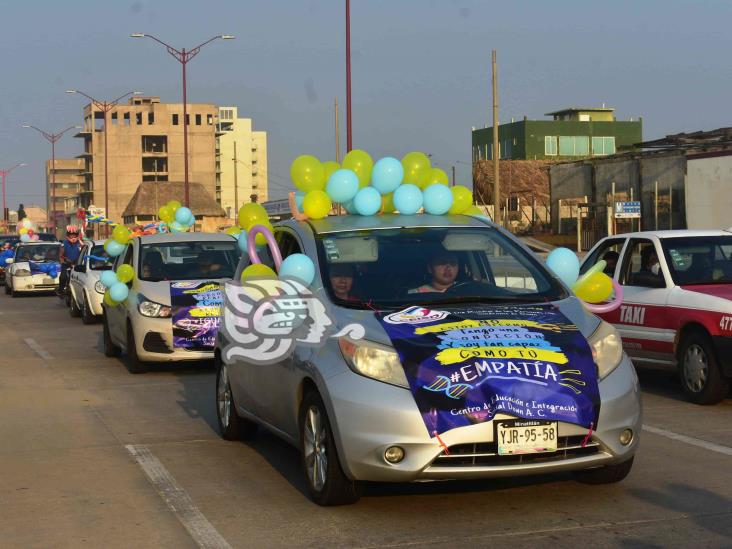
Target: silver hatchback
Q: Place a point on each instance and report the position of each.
(427, 347)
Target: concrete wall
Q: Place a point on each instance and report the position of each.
(708, 188)
(568, 182)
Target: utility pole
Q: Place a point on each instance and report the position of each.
(337, 134)
(496, 147)
(4, 174)
(453, 176)
(349, 143)
(236, 182)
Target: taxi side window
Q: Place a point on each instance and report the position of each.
(641, 266)
(288, 244)
(609, 251)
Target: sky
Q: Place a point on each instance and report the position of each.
(420, 70)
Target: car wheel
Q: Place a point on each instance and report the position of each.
(605, 475)
(701, 376)
(13, 293)
(74, 311)
(110, 349)
(86, 314)
(327, 483)
(231, 426)
(7, 288)
(134, 364)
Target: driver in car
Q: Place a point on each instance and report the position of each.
(443, 269)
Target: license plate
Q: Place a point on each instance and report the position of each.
(526, 436)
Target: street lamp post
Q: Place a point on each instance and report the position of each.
(183, 56)
(349, 142)
(105, 107)
(51, 138)
(4, 174)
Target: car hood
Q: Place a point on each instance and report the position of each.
(723, 291)
(160, 291)
(571, 308)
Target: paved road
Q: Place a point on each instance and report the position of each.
(93, 456)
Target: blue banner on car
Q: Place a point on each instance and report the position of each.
(196, 308)
(464, 367)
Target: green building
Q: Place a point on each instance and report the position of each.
(573, 133)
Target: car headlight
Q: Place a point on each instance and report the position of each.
(153, 309)
(373, 360)
(22, 272)
(99, 287)
(607, 349)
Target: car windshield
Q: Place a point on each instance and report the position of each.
(696, 260)
(394, 268)
(37, 252)
(99, 259)
(199, 260)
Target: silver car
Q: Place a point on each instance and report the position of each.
(85, 289)
(347, 403)
(34, 268)
(155, 323)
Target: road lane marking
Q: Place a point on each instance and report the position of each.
(40, 351)
(177, 500)
(726, 450)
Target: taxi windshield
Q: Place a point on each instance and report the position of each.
(696, 260)
(431, 266)
(188, 260)
(38, 253)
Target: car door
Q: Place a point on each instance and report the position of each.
(607, 250)
(77, 278)
(646, 328)
(117, 316)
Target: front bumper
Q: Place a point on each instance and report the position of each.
(154, 341)
(34, 283)
(369, 416)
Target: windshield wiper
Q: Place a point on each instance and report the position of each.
(487, 299)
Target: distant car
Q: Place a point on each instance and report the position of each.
(143, 324)
(679, 314)
(35, 268)
(85, 289)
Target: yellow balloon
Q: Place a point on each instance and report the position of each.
(473, 210)
(125, 273)
(108, 299)
(233, 231)
(257, 270)
(432, 177)
(121, 234)
(174, 205)
(316, 204)
(462, 199)
(360, 162)
(307, 173)
(415, 164)
(596, 288)
(387, 203)
(252, 214)
(166, 213)
(22, 230)
(329, 167)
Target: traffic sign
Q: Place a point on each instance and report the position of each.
(628, 210)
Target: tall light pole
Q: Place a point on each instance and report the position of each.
(4, 174)
(349, 142)
(183, 56)
(51, 138)
(104, 107)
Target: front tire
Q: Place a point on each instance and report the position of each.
(7, 287)
(134, 364)
(74, 311)
(327, 483)
(701, 376)
(86, 314)
(605, 475)
(231, 426)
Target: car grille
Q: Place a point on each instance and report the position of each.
(486, 454)
(154, 343)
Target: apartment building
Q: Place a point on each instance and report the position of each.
(68, 174)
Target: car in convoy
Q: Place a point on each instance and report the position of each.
(358, 412)
(86, 291)
(677, 304)
(167, 266)
(13, 240)
(35, 268)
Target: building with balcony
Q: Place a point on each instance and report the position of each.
(241, 162)
(68, 174)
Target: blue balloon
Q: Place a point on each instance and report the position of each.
(565, 264)
(108, 278)
(350, 207)
(176, 227)
(387, 174)
(299, 197)
(408, 199)
(119, 291)
(367, 201)
(242, 241)
(437, 199)
(184, 216)
(342, 185)
(298, 266)
(114, 248)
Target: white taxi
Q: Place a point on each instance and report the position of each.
(85, 289)
(34, 269)
(677, 306)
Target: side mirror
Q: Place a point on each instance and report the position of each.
(80, 268)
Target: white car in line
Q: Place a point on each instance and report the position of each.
(86, 292)
(34, 269)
